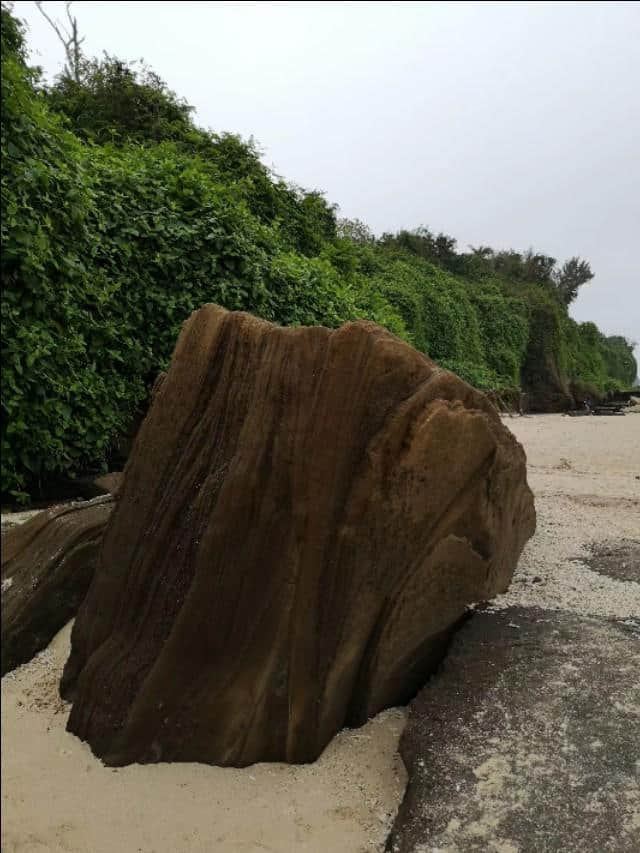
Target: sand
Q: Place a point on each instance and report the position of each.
(57, 797)
(585, 474)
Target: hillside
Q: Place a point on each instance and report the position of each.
(120, 216)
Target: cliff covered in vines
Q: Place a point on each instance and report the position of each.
(113, 233)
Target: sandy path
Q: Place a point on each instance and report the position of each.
(57, 797)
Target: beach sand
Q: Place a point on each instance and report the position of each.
(585, 474)
(57, 797)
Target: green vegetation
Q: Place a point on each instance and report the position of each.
(120, 217)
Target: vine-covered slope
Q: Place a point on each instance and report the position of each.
(113, 232)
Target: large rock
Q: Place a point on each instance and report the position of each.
(304, 517)
(47, 565)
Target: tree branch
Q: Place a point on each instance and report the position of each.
(54, 25)
(68, 8)
(70, 41)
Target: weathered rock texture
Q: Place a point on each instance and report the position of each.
(47, 565)
(305, 515)
(526, 739)
(111, 482)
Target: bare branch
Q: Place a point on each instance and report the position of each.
(70, 40)
(54, 25)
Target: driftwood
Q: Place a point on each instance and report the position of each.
(610, 409)
(47, 565)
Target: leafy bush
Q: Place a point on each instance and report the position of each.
(504, 327)
(442, 316)
(585, 366)
(596, 363)
(545, 368)
(620, 365)
(116, 101)
(105, 252)
(47, 296)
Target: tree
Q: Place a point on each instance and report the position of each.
(482, 252)
(70, 40)
(440, 249)
(356, 231)
(570, 277)
(121, 102)
(13, 34)
(537, 268)
(111, 100)
(316, 221)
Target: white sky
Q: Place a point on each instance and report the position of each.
(506, 124)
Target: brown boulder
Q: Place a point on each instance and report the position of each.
(305, 515)
(47, 565)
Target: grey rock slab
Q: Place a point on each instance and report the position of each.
(620, 560)
(527, 740)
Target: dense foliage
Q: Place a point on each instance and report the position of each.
(114, 101)
(120, 217)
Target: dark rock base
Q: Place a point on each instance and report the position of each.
(527, 740)
(619, 560)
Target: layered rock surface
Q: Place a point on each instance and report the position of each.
(47, 565)
(304, 517)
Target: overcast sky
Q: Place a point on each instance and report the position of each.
(513, 125)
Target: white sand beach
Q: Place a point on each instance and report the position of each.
(56, 796)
